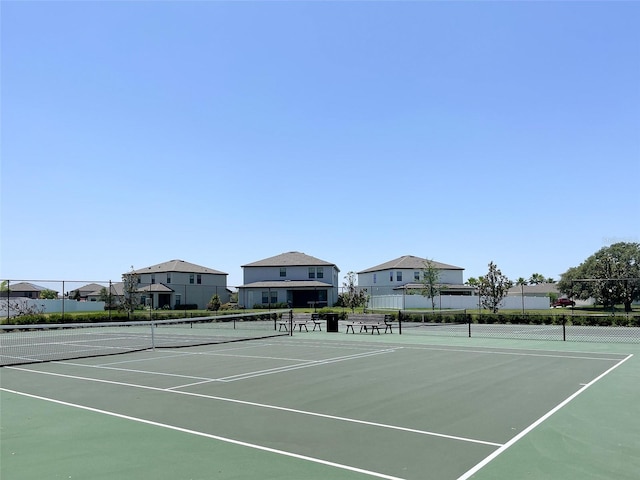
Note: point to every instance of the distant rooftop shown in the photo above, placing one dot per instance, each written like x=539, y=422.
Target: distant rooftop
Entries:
x=290, y=259
x=409, y=262
x=178, y=266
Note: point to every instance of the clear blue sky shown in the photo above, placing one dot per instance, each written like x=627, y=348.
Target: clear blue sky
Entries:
x=222, y=133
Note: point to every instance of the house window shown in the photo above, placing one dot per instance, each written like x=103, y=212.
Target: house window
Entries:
x=375, y=277
x=319, y=272
x=168, y=278
x=416, y=276
x=312, y=272
x=283, y=272
x=391, y=276
x=269, y=297
x=191, y=278
x=178, y=299
x=199, y=279
x=399, y=276
x=153, y=279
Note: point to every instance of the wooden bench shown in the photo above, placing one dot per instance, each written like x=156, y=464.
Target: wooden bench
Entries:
x=370, y=321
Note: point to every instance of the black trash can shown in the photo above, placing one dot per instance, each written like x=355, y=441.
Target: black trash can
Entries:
x=332, y=322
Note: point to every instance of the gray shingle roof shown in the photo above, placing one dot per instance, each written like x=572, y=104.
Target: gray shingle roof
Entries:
x=156, y=287
x=117, y=288
x=290, y=259
x=409, y=262
x=25, y=287
x=89, y=288
x=178, y=266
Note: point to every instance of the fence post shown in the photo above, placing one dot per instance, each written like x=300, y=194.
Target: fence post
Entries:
x=469, y=323
x=399, y=322
x=564, y=328
x=290, y=323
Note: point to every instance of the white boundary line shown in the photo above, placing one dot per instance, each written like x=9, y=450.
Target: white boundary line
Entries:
x=210, y=436
x=524, y=432
x=461, y=348
x=262, y=405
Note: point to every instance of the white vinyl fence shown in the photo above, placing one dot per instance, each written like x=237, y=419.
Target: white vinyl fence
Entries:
x=18, y=304
x=402, y=302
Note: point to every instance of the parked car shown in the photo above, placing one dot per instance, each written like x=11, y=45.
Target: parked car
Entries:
x=563, y=302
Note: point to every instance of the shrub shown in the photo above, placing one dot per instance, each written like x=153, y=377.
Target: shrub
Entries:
x=278, y=306
x=186, y=306
x=214, y=303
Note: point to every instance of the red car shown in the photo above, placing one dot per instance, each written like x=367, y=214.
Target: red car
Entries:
x=563, y=302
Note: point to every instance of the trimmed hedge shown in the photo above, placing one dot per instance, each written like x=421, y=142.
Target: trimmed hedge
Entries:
x=533, y=319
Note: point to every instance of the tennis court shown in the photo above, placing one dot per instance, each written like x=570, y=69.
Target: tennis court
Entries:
x=320, y=405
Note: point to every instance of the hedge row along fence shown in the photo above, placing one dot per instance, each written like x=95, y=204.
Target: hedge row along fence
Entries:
x=519, y=319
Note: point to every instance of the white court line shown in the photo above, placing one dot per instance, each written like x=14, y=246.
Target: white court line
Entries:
x=213, y=437
x=262, y=405
x=310, y=363
x=133, y=370
x=458, y=348
x=286, y=368
x=241, y=376
x=520, y=354
x=504, y=447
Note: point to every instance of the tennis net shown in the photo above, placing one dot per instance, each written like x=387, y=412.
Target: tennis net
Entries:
x=432, y=318
x=21, y=344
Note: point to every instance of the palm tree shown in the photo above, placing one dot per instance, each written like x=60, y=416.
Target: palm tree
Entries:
x=537, y=278
x=522, y=282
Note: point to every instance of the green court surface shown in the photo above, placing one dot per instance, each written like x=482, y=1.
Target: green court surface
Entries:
x=323, y=405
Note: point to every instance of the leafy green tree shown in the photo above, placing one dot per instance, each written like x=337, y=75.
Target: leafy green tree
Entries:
x=610, y=276
x=353, y=297
x=4, y=286
x=103, y=296
x=494, y=286
x=430, y=282
x=48, y=294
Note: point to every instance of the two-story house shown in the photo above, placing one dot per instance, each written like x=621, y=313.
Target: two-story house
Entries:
x=291, y=278
x=176, y=282
x=407, y=273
